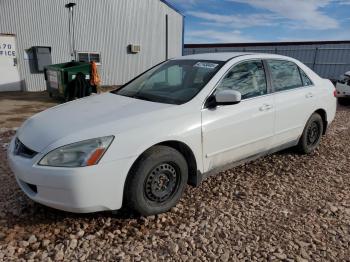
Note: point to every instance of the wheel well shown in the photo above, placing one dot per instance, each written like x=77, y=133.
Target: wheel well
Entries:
x=186, y=151
x=194, y=177
x=323, y=114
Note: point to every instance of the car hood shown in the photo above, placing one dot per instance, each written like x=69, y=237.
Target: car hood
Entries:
x=96, y=115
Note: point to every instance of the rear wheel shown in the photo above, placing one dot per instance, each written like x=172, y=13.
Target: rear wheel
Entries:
x=312, y=134
x=156, y=181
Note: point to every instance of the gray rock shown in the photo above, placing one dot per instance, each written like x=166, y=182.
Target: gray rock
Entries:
x=333, y=208
x=23, y=243
x=80, y=233
x=2, y=236
x=280, y=256
x=173, y=247
x=59, y=256
x=225, y=256
x=139, y=249
x=300, y=259
x=32, y=239
x=304, y=254
x=31, y=255
x=45, y=242
x=73, y=243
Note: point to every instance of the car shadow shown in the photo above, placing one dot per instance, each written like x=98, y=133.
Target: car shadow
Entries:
x=37, y=214
x=344, y=106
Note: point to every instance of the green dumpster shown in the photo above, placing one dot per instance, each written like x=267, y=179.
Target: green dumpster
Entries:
x=58, y=76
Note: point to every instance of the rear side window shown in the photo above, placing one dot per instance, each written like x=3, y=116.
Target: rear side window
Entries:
x=305, y=78
x=248, y=78
x=285, y=75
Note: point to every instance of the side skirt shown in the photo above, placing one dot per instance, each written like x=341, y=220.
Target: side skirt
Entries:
x=196, y=181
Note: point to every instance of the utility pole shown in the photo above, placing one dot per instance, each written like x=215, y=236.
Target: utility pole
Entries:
x=70, y=6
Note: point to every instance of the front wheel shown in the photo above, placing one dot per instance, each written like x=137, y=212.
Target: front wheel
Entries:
x=156, y=181
x=312, y=134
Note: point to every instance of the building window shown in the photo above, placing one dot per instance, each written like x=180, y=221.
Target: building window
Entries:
x=89, y=57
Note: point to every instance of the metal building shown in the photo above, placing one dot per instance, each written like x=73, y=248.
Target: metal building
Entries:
x=329, y=59
x=125, y=37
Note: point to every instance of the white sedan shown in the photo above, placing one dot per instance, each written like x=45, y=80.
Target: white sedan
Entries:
x=173, y=125
x=343, y=89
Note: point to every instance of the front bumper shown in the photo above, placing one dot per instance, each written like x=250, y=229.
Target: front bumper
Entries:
x=79, y=190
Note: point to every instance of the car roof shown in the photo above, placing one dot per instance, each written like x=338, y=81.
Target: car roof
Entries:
x=213, y=56
x=225, y=56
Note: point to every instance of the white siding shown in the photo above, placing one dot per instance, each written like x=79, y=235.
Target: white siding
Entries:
x=106, y=26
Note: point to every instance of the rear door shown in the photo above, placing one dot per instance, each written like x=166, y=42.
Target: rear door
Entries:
x=294, y=96
x=234, y=132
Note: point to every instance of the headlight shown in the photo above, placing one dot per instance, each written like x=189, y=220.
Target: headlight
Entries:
x=84, y=153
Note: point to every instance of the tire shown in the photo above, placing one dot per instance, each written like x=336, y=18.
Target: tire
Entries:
x=156, y=181
x=312, y=134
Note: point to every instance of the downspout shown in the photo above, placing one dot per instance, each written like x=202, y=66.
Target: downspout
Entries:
x=183, y=35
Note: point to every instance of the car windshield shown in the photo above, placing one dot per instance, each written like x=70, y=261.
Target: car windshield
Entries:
x=172, y=82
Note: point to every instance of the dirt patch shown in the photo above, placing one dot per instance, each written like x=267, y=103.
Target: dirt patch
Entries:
x=15, y=107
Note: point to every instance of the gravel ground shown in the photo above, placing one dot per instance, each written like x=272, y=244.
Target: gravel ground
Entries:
x=285, y=207
x=17, y=106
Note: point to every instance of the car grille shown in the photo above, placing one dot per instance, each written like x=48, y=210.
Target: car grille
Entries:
x=22, y=150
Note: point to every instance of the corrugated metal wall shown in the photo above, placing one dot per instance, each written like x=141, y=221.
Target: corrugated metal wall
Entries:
x=328, y=60
x=106, y=26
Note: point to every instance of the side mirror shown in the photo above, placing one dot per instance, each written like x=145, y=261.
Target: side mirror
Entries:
x=224, y=97
x=228, y=97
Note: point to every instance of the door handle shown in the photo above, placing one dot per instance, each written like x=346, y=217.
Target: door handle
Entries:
x=309, y=95
x=266, y=107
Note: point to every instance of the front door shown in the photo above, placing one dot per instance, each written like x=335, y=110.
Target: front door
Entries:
x=235, y=132
x=9, y=76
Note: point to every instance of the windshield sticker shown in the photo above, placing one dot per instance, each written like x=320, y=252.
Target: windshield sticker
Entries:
x=206, y=65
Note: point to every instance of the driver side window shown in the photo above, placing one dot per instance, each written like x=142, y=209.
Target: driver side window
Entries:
x=248, y=78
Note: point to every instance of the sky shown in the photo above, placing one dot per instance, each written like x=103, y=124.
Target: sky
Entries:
x=234, y=21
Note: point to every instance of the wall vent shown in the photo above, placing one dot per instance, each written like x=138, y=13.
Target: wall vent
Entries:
x=134, y=49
